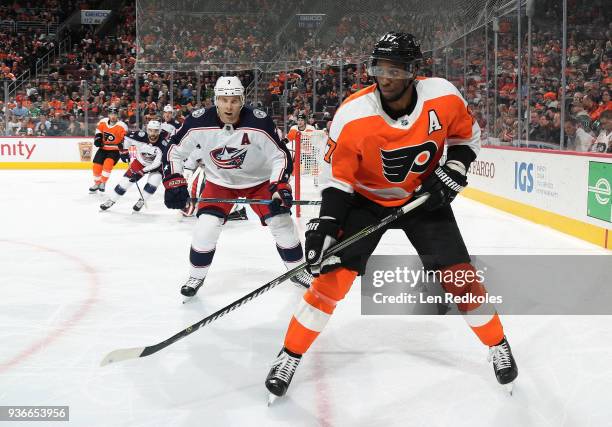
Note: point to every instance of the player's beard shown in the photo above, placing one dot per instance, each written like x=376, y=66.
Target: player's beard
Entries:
x=396, y=97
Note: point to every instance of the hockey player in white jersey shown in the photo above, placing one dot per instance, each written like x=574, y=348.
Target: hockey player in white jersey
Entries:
x=169, y=123
x=149, y=152
x=242, y=156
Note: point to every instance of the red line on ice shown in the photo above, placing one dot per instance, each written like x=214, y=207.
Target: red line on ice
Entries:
x=84, y=306
x=323, y=397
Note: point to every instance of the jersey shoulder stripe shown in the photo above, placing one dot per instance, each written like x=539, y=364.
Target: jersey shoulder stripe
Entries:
x=357, y=106
x=436, y=87
x=119, y=123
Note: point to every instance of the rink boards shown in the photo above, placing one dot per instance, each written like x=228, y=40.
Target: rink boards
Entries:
x=568, y=191
x=47, y=153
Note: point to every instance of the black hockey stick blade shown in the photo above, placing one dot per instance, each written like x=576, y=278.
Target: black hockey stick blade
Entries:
x=253, y=201
x=136, y=352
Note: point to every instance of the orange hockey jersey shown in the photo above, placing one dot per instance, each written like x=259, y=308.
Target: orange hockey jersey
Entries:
x=292, y=134
x=113, y=135
x=385, y=159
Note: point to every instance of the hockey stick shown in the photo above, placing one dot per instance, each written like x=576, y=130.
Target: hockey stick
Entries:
x=136, y=352
x=253, y=201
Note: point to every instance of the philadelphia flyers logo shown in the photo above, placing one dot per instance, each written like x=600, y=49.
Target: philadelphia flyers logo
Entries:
x=398, y=163
x=108, y=137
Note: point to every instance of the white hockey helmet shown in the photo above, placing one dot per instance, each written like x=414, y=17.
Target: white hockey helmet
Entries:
x=229, y=86
x=154, y=125
x=168, y=109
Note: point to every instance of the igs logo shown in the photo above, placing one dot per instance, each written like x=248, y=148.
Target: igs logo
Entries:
x=523, y=176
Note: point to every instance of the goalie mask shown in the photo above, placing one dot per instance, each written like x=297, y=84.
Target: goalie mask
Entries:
x=402, y=49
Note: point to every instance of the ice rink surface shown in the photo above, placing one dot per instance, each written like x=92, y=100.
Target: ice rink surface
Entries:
x=77, y=283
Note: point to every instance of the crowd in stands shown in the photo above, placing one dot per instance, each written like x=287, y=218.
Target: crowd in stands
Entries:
x=47, y=11
x=27, y=32
x=494, y=97
x=99, y=71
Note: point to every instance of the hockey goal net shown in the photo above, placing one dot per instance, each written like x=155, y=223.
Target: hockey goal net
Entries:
x=307, y=150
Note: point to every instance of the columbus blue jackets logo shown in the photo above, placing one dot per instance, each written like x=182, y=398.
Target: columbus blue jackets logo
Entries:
x=197, y=113
x=398, y=163
x=228, y=157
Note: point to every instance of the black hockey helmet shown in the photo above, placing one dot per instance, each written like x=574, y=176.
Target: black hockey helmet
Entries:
x=301, y=116
x=398, y=47
x=113, y=110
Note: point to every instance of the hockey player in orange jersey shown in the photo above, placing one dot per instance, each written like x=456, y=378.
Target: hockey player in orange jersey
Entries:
x=301, y=126
x=384, y=148
x=109, y=138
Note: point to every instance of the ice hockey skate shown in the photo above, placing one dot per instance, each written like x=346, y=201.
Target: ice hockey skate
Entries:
x=106, y=205
x=94, y=188
x=238, y=215
x=504, y=365
x=138, y=205
x=302, y=280
x=279, y=377
x=190, y=288
x=101, y=187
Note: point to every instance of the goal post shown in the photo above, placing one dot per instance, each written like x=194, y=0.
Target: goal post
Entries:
x=308, y=150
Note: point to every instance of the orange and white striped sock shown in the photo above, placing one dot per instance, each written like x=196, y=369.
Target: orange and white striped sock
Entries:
x=482, y=318
x=97, y=172
x=107, y=167
x=316, y=307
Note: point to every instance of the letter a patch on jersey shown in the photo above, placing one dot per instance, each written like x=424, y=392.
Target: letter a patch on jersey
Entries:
x=398, y=163
x=434, y=122
x=245, y=139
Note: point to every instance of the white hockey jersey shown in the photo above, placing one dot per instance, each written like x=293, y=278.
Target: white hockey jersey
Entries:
x=149, y=155
x=171, y=127
x=240, y=156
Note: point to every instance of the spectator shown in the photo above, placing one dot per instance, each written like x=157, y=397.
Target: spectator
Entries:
x=592, y=108
x=74, y=128
x=542, y=132
x=576, y=138
x=13, y=125
x=603, y=143
x=26, y=128
x=20, y=111
x=42, y=127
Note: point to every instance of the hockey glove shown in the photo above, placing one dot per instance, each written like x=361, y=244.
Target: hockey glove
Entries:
x=444, y=183
x=125, y=157
x=135, y=175
x=98, y=140
x=176, y=194
x=321, y=233
x=281, y=196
